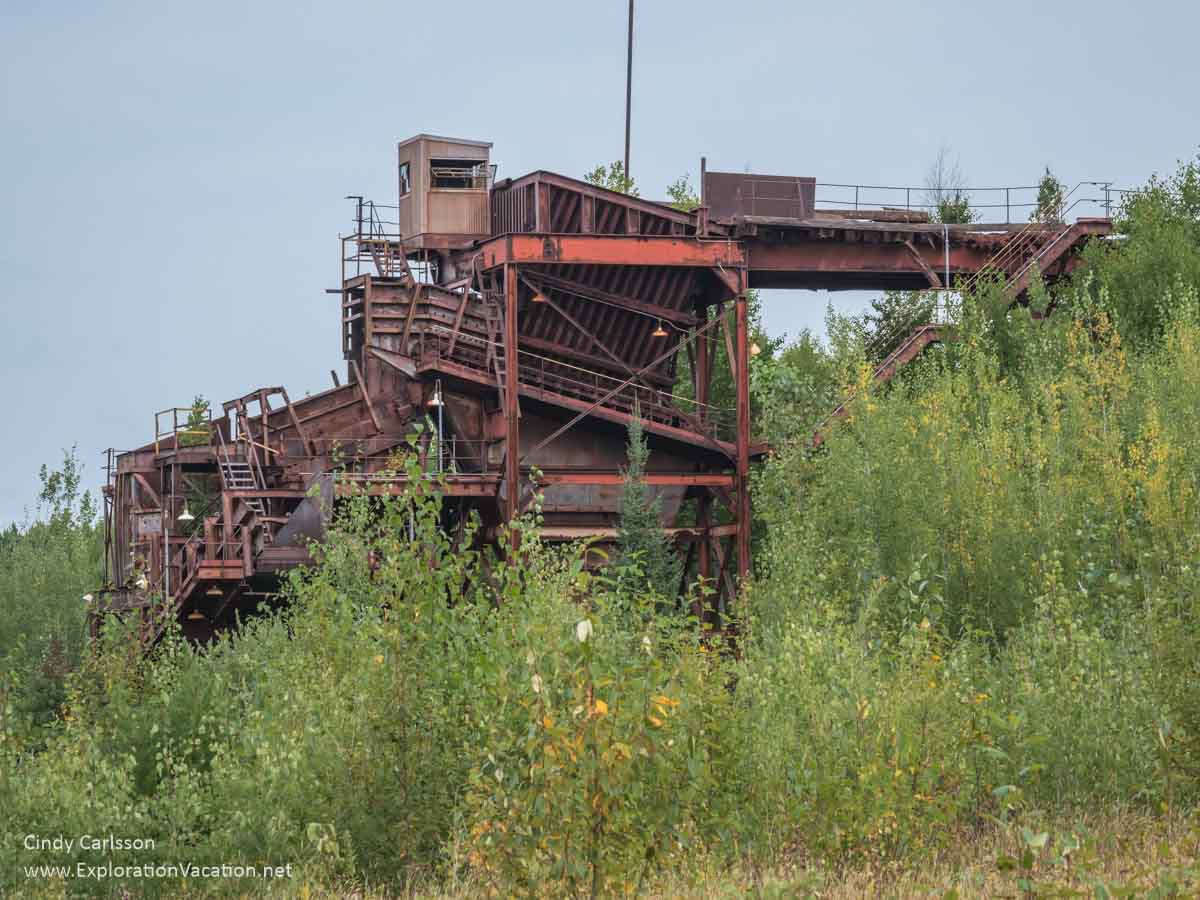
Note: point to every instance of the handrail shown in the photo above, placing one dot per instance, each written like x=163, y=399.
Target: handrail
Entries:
x=903, y=196
x=1013, y=249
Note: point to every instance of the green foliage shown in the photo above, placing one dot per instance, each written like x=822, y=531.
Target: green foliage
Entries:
x=683, y=195
x=954, y=209
x=645, y=550
x=46, y=568
x=612, y=177
x=945, y=191
x=1153, y=271
x=195, y=432
x=891, y=318
x=722, y=390
x=1051, y=194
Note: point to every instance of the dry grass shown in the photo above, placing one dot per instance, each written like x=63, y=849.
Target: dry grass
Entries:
x=1133, y=853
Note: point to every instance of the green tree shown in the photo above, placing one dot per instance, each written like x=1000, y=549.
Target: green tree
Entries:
x=945, y=191
x=613, y=178
x=47, y=566
x=683, y=195
x=642, y=543
x=1154, y=270
x=1051, y=194
x=891, y=318
x=196, y=432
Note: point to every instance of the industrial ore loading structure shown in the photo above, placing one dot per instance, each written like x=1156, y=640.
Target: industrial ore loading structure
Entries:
x=526, y=319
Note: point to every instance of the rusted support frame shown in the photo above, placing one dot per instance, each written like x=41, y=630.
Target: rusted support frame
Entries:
x=654, y=363
x=512, y=412
x=312, y=447
x=673, y=479
x=591, y=337
x=145, y=486
x=607, y=249
x=540, y=280
x=730, y=352
x=362, y=386
x=462, y=307
x=930, y=275
x=743, y=431
x=704, y=553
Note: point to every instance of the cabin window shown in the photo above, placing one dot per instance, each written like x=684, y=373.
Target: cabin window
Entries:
x=458, y=174
x=405, y=181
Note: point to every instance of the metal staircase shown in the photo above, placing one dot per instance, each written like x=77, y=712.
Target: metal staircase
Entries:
x=1030, y=251
x=236, y=475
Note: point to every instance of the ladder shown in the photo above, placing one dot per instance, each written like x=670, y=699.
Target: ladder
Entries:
x=237, y=475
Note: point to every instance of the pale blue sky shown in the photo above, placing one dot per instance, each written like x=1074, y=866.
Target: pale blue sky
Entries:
x=175, y=172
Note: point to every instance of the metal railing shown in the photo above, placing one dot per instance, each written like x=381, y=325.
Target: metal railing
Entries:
x=185, y=429
x=376, y=243
x=654, y=404
x=1018, y=201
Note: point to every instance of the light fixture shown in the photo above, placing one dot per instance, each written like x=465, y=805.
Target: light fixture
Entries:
x=538, y=297
x=214, y=591
x=659, y=331
x=195, y=616
x=436, y=399
x=185, y=516
x=755, y=349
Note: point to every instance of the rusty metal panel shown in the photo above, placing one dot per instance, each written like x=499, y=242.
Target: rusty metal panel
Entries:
x=730, y=195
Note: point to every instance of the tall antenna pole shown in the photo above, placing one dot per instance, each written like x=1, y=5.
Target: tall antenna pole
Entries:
x=628, y=88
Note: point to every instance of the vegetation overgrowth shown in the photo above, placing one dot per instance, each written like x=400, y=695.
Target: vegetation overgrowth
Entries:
x=969, y=660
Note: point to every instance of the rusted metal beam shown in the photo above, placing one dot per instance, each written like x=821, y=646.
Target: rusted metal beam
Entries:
x=836, y=263
x=312, y=448
x=674, y=479
x=704, y=551
x=663, y=382
x=596, y=408
x=587, y=292
x=512, y=413
x=587, y=409
x=480, y=485
x=743, y=434
x=362, y=386
x=613, y=357
x=145, y=486
x=610, y=250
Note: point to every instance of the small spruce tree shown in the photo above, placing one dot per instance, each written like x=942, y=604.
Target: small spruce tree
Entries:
x=1051, y=194
x=641, y=540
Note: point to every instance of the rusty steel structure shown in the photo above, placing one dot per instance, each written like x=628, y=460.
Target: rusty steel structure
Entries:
x=523, y=323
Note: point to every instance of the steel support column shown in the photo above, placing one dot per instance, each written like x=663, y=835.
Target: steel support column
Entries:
x=743, y=431
x=703, y=382
x=512, y=442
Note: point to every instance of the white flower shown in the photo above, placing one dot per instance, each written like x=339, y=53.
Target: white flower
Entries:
x=583, y=630
x=537, y=683
x=529, y=658
x=87, y=598
x=646, y=645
